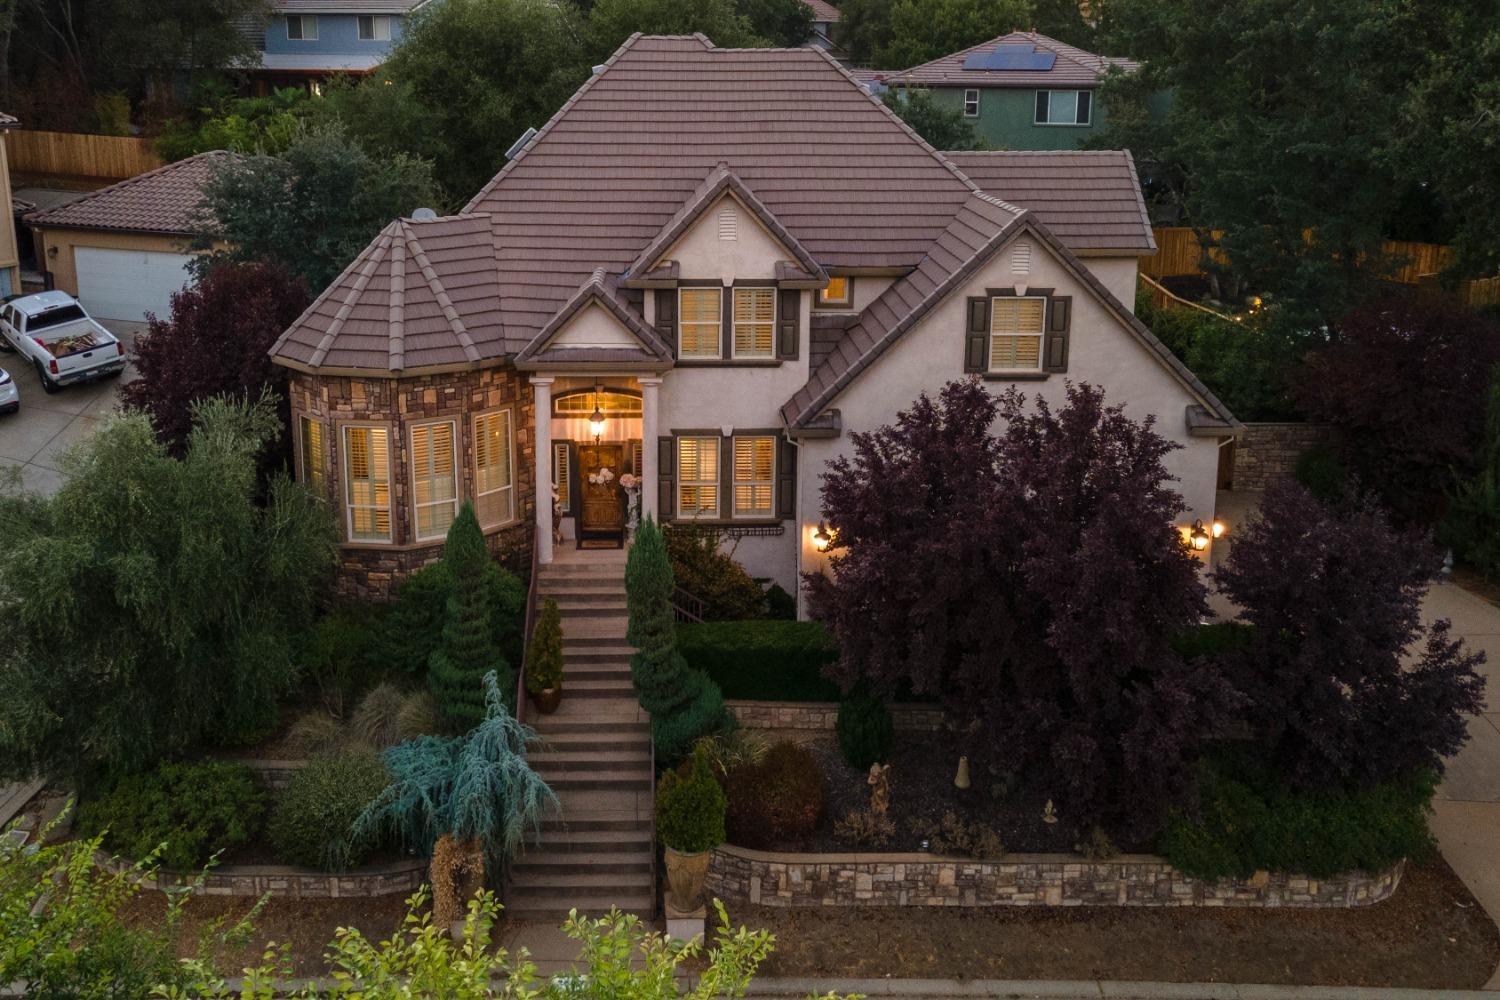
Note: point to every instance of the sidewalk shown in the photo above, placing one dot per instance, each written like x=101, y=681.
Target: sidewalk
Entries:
x=1096, y=989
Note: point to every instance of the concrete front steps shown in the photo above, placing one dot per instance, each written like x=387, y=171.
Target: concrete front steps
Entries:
x=596, y=756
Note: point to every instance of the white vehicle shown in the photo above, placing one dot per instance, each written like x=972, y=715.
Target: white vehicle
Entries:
x=10, y=396
x=52, y=331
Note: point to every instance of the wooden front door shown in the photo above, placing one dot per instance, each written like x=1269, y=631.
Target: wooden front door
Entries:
x=602, y=511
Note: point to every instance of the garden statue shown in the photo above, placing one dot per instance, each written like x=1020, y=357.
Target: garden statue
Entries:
x=557, y=535
x=880, y=788
x=961, y=780
x=632, y=487
x=1049, y=814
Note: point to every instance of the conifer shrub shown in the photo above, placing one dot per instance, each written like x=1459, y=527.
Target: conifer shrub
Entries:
x=314, y=815
x=776, y=802
x=467, y=650
x=864, y=729
x=544, y=657
x=690, y=806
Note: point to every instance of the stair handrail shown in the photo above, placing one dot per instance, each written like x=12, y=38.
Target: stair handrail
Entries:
x=528, y=623
x=687, y=606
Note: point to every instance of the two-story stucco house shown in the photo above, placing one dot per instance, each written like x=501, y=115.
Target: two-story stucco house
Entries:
x=307, y=41
x=687, y=276
x=1019, y=91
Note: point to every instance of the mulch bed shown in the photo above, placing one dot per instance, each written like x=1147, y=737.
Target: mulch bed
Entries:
x=1432, y=933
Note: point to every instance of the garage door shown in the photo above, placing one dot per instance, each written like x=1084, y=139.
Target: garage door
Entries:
x=127, y=284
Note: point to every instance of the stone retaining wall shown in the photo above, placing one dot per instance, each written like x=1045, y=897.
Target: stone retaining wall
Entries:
x=737, y=874
x=274, y=774
x=820, y=716
x=1266, y=452
x=288, y=882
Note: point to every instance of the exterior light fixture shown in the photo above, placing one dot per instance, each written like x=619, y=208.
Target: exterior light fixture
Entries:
x=1198, y=536
x=596, y=419
x=821, y=537
x=1218, y=528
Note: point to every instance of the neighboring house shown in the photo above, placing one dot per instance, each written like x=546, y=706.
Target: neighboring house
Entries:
x=10, y=260
x=122, y=250
x=824, y=16
x=1019, y=91
x=715, y=311
x=308, y=41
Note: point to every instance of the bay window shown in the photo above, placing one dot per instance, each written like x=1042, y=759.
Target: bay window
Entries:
x=434, y=479
x=494, y=469
x=367, y=483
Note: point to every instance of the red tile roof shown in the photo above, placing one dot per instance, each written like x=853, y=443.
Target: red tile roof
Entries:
x=1090, y=200
x=823, y=11
x=1073, y=67
x=164, y=200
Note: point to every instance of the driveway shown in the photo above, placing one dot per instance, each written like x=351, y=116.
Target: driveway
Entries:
x=46, y=425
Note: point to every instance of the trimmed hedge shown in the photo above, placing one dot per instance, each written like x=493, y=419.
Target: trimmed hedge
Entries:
x=763, y=660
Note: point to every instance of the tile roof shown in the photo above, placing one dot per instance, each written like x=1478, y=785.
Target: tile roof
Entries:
x=1072, y=67
x=1090, y=200
x=822, y=10
x=425, y=294
x=600, y=288
x=164, y=200
x=338, y=62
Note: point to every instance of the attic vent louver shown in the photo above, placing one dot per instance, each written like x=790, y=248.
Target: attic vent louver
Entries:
x=1020, y=259
x=510, y=154
x=729, y=225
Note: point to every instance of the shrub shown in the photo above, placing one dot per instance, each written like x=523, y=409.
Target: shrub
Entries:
x=1323, y=473
x=864, y=729
x=699, y=567
x=196, y=809
x=701, y=714
x=1247, y=820
x=314, y=732
x=690, y=806
x=544, y=657
x=337, y=658
x=1211, y=640
x=314, y=815
x=777, y=802
x=386, y=715
x=865, y=829
x=467, y=650
x=411, y=626
x=735, y=747
x=1473, y=525
x=956, y=836
x=780, y=605
x=763, y=660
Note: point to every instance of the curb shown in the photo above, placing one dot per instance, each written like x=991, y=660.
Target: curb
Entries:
x=1088, y=989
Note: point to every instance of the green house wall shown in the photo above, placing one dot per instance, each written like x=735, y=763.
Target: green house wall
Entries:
x=1006, y=119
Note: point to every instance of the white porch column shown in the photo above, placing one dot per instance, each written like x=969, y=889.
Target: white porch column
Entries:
x=650, y=433
x=541, y=389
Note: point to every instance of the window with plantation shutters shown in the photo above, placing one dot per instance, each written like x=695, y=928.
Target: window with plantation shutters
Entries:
x=700, y=319
x=310, y=467
x=1017, y=326
x=697, y=477
x=494, y=469
x=367, y=483
x=434, y=479
x=754, y=476
x=754, y=322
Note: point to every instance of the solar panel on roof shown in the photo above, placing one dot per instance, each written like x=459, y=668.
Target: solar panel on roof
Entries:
x=1012, y=56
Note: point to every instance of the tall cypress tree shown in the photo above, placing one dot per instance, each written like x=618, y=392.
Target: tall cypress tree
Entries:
x=456, y=669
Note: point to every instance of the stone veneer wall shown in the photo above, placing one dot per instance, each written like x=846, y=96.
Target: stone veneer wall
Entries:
x=739, y=875
x=820, y=716
x=1266, y=452
x=368, y=571
x=288, y=882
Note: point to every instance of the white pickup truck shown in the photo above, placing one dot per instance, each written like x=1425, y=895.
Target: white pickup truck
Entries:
x=54, y=333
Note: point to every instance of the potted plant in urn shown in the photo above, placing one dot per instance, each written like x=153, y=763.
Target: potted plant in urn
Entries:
x=544, y=660
x=690, y=808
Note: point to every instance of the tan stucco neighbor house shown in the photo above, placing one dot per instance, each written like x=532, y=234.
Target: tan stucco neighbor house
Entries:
x=687, y=254
x=123, y=249
x=10, y=260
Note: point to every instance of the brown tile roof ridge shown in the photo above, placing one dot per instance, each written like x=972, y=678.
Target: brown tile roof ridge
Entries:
x=719, y=181
x=455, y=321
x=75, y=214
x=600, y=287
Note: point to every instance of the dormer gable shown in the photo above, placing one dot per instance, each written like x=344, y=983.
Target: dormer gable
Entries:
x=594, y=327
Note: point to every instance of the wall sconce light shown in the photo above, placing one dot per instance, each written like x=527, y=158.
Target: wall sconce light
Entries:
x=821, y=537
x=1218, y=529
x=1198, y=536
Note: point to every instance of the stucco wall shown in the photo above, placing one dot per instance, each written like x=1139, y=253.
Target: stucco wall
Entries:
x=64, y=266
x=1118, y=275
x=1101, y=351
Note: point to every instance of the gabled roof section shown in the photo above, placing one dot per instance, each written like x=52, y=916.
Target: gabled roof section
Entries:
x=599, y=290
x=823, y=11
x=722, y=181
x=165, y=200
x=1091, y=200
x=975, y=235
x=1019, y=59
x=425, y=295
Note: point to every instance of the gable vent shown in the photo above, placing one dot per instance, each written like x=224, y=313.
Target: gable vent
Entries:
x=1020, y=259
x=729, y=225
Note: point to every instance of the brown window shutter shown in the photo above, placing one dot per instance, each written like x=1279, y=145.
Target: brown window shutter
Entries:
x=1059, y=317
x=726, y=477
x=666, y=317
x=575, y=484
x=788, y=323
x=786, y=479
x=726, y=324
x=977, y=337
x=666, y=478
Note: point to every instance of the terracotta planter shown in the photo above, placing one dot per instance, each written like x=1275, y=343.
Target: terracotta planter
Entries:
x=547, y=700
x=685, y=876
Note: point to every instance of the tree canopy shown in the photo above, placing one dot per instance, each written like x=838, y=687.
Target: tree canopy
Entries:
x=943, y=128
x=897, y=34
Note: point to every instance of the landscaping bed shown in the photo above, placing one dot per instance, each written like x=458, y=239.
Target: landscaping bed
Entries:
x=1431, y=933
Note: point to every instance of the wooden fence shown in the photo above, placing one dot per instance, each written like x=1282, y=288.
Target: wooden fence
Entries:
x=69, y=157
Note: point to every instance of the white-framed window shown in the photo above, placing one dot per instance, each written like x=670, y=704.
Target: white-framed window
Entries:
x=1016, y=328
x=367, y=483
x=434, y=478
x=311, y=457
x=837, y=293
x=494, y=469
x=700, y=323
x=1064, y=107
x=302, y=27
x=755, y=476
x=971, y=104
x=374, y=28
x=755, y=322
x=562, y=478
x=697, y=476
